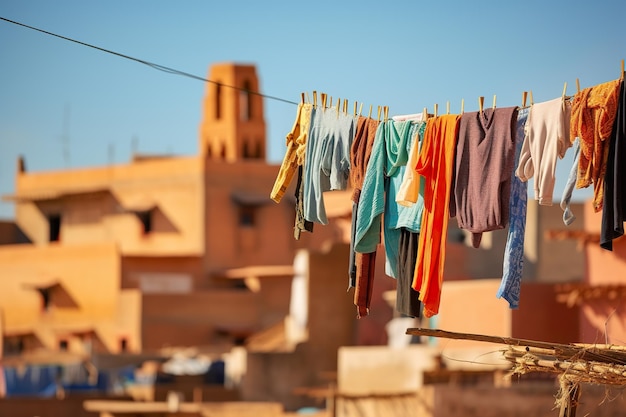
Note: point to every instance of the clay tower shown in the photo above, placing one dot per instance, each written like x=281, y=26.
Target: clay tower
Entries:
x=232, y=127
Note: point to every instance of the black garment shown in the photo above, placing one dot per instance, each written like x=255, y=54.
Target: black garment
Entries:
x=614, y=207
x=301, y=223
x=407, y=299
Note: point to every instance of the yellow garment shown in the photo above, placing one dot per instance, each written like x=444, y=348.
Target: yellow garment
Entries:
x=593, y=115
x=296, y=150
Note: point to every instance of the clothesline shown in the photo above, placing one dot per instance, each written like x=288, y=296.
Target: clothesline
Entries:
x=304, y=98
x=411, y=173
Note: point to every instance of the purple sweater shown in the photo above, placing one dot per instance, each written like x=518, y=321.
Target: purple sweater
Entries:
x=485, y=159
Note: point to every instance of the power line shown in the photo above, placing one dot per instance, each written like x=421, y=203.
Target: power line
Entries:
x=148, y=63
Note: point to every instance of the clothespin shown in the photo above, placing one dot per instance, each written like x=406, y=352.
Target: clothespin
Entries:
x=577, y=86
x=462, y=105
x=564, y=90
x=378, y=114
x=447, y=107
x=622, y=73
x=436, y=106
x=355, y=104
x=308, y=99
x=302, y=98
x=331, y=102
x=323, y=100
x=361, y=109
x=524, y=96
x=425, y=114
x=531, y=98
x=481, y=103
x=386, y=113
x=314, y=98
x=345, y=106
x=494, y=102
x=338, y=106
x=369, y=116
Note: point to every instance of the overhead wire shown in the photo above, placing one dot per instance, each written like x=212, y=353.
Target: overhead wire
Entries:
x=153, y=65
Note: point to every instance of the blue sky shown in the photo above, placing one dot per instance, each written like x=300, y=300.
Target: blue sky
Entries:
x=67, y=106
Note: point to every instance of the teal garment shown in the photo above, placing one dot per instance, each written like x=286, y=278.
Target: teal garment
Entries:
x=389, y=154
x=397, y=216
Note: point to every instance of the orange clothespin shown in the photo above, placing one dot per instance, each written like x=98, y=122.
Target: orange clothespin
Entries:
x=622, y=72
x=323, y=100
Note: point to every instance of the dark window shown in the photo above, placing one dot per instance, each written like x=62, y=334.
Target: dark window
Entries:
x=246, y=151
x=45, y=298
x=13, y=345
x=54, y=224
x=245, y=102
x=246, y=216
x=63, y=344
x=145, y=217
x=218, y=101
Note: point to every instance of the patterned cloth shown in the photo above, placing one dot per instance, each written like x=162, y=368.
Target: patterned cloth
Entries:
x=513, y=263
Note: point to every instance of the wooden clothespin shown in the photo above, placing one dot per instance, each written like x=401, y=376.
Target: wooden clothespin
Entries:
x=622, y=72
x=447, y=107
x=331, y=102
x=481, y=103
x=314, y=98
x=425, y=114
x=462, y=105
x=577, y=86
x=355, y=105
x=378, y=118
x=345, y=106
x=494, y=102
x=386, y=108
x=435, y=111
x=338, y=107
x=531, y=98
x=369, y=116
x=564, y=90
x=302, y=98
x=524, y=97
x=361, y=109
x=323, y=100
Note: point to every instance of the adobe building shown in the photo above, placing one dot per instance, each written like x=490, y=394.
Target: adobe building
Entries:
x=162, y=228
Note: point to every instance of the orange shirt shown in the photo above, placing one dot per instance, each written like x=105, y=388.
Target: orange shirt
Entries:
x=593, y=114
x=435, y=164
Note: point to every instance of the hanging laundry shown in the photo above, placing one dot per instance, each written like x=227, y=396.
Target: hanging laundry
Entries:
x=295, y=153
x=292, y=165
x=436, y=164
x=513, y=260
x=614, y=209
x=360, y=152
x=485, y=153
x=327, y=164
x=547, y=138
x=566, y=198
x=593, y=114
